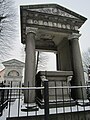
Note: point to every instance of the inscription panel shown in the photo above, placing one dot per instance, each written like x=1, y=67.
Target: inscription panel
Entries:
x=36, y=18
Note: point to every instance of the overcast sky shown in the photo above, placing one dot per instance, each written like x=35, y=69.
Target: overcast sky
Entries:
x=81, y=7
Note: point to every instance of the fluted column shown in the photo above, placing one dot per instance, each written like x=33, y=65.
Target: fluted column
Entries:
x=29, y=79
x=78, y=77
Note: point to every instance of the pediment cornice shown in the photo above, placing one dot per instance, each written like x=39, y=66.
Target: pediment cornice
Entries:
x=13, y=62
x=51, y=17
x=54, y=9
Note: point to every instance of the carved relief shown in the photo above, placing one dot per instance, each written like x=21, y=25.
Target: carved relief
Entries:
x=46, y=36
x=54, y=11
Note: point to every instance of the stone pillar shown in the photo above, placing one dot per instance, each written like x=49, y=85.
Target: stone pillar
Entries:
x=29, y=79
x=78, y=77
x=63, y=56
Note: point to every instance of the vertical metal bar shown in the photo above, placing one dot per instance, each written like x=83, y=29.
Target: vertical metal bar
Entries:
x=37, y=61
x=10, y=100
x=83, y=101
x=63, y=100
x=56, y=96
x=7, y=97
x=36, y=112
x=46, y=100
x=36, y=104
x=19, y=101
x=70, y=102
x=2, y=100
x=2, y=97
x=27, y=98
x=77, y=110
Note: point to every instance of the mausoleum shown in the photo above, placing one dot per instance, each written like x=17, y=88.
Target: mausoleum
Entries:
x=51, y=27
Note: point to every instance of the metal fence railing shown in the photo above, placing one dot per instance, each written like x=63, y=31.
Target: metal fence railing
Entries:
x=3, y=98
x=45, y=107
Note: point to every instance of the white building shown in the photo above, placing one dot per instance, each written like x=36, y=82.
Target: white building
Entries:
x=13, y=72
x=2, y=71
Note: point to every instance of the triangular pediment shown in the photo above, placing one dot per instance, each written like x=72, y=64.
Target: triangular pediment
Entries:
x=54, y=9
x=2, y=67
x=53, y=17
x=13, y=62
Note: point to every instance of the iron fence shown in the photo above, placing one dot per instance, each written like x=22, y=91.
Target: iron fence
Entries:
x=45, y=108
x=3, y=98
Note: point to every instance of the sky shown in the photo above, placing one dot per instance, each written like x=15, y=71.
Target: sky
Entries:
x=81, y=7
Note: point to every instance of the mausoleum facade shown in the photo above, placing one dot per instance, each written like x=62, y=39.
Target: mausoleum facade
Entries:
x=51, y=27
x=13, y=72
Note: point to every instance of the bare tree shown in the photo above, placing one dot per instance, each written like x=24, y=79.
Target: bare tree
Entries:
x=8, y=28
x=41, y=61
x=86, y=59
x=86, y=63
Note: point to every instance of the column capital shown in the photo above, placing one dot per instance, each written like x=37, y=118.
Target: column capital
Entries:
x=31, y=30
x=74, y=36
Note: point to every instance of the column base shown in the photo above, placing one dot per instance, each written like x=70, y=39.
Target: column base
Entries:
x=58, y=103
x=29, y=107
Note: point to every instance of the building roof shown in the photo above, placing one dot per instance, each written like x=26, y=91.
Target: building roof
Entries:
x=2, y=67
x=55, y=6
x=51, y=17
x=13, y=62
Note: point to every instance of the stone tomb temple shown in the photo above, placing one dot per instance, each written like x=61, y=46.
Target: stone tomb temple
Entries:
x=51, y=27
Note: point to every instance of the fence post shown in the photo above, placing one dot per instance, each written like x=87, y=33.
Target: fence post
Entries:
x=46, y=99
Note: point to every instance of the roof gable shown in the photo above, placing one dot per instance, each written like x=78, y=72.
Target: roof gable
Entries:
x=49, y=16
x=13, y=62
x=54, y=9
x=2, y=67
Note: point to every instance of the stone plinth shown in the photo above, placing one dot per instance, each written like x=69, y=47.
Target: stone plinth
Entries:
x=55, y=78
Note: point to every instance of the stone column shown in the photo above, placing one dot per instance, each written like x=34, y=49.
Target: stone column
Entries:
x=63, y=56
x=29, y=79
x=78, y=77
